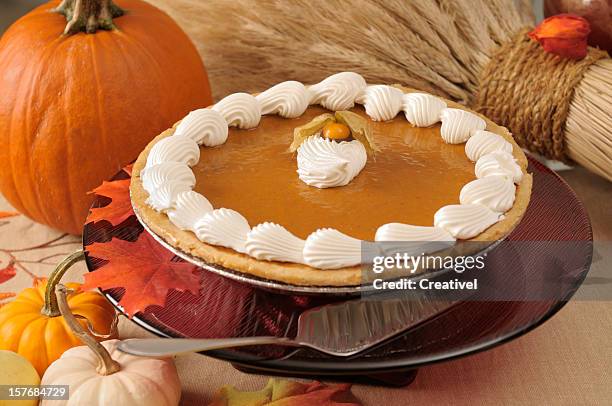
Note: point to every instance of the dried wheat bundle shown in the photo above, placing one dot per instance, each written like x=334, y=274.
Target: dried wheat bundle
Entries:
x=439, y=46
x=588, y=129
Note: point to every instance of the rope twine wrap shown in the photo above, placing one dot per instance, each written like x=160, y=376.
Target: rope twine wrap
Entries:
x=530, y=91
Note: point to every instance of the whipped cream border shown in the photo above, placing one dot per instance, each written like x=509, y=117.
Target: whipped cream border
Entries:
x=227, y=228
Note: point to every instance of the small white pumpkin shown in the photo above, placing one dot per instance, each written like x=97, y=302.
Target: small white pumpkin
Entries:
x=99, y=374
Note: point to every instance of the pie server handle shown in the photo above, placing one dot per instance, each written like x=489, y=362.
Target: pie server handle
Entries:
x=166, y=347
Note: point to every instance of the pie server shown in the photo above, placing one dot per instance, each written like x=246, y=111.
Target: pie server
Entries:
x=342, y=329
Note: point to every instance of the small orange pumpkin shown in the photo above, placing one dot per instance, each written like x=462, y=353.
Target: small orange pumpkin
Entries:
x=77, y=107
x=32, y=325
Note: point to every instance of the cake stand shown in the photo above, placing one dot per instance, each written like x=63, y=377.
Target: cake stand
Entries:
x=545, y=260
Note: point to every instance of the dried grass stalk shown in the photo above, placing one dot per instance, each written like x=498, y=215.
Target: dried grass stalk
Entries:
x=437, y=46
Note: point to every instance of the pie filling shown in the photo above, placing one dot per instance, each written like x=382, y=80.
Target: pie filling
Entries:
x=255, y=174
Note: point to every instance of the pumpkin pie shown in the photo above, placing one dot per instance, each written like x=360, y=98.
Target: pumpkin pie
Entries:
x=286, y=184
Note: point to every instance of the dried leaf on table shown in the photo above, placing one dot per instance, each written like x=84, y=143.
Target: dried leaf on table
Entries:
x=282, y=392
x=120, y=207
x=7, y=273
x=145, y=271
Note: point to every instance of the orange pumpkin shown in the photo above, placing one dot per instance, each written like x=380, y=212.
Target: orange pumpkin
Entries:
x=77, y=107
x=32, y=325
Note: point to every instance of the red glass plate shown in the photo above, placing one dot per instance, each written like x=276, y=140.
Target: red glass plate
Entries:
x=228, y=308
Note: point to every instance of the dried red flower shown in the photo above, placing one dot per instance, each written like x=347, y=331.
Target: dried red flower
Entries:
x=564, y=35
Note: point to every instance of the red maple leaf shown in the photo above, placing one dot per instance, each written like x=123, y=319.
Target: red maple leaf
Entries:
x=120, y=207
x=8, y=272
x=145, y=271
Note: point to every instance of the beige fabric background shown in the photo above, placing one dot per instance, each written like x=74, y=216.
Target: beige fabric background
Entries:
x=567, y=361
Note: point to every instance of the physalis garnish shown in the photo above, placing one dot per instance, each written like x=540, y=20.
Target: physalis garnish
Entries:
x=342, y=125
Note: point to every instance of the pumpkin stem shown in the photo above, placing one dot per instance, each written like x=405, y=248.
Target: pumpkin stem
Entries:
x=88, y=15
x=107, y=365
x=50, y=308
